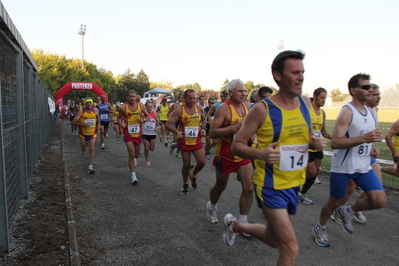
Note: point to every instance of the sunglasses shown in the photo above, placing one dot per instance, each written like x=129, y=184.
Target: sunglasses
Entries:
x=365, y=87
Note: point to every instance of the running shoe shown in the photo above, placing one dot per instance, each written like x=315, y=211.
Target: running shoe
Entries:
x=178, y=155
x=91, y=169
x=346, y=219
x=335, y=217
x=160, y=139
x=166, y=144
x=211, y=214
x=83, y=153
x=184, y=189
x=106, y=135
x=134, y=179
x=147, y=164
x=119, y=142
x=305, y=200
x=208, y=157
x=171, y=150
x=321, y=237
x=229, y=235
x=102, y=146
x=193, y=180
x=360, y=217
x=317, y=181
x=359, y=190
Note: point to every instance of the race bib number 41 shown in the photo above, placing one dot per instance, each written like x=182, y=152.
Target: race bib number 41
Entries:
x=293, y=157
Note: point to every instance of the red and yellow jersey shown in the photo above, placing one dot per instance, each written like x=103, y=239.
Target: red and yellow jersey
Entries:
x=88, y=116
x=133, y=121
x=223, y=147
x=190, y=126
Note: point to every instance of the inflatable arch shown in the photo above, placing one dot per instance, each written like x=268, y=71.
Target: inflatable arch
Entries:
x=76, y=86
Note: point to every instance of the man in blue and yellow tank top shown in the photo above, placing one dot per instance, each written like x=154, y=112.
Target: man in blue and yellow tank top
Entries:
x=283, y=128
x=228, y=120
x=130, y=119
x=104, y=111
x=190, y=130
x=394, y=147
x=89, y=122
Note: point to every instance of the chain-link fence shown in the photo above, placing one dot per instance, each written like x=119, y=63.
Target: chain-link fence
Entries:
x=25, y=122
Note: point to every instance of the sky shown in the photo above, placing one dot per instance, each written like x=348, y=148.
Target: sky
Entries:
x=205, y=41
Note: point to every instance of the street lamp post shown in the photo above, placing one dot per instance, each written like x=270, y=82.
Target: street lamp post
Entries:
x=82, y=32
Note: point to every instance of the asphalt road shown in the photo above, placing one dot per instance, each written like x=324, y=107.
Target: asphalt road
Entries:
x=154, y=224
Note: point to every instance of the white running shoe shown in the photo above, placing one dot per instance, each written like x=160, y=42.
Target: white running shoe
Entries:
x=91, y=169
x=360, y=217
x=102, y=146
x=346, y=219
x=211, y=214
x=229, y=235
x=317, y=181
x=321, y=237
x=335, y=217
x=106, y=135
x=134, y=180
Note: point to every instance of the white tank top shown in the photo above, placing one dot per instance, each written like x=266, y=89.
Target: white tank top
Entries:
x=150, y=125
x=355, y=159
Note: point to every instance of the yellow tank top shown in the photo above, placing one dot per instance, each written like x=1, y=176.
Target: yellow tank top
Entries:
x=163, y=112
x=91, y=118
x=133, y=123
x=317, y=123
x=223, y=146
x=115, y=116
x=190, y=126
x=291, y=128
x=396, y=141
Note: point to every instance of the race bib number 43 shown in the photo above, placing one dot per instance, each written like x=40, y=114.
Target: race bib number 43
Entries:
x=293, y=157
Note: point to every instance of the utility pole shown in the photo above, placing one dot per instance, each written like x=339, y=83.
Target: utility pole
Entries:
x=280, y=45
x=82, y=32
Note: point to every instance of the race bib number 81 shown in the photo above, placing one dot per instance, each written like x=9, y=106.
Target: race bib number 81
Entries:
x=293, y=157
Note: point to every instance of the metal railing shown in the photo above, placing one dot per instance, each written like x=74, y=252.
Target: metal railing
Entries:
x=25, y=122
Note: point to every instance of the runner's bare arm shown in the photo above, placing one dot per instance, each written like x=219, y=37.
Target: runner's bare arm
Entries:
x=339, y=139
x=254, y=120
x=173, y=118
x=222, y=117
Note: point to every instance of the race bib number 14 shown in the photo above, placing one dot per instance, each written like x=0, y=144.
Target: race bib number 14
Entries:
x=293, y=157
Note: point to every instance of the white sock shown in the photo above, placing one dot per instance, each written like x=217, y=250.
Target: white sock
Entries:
x=213, y=207
x=133, y=173
x=242, y=218
x=322, y=227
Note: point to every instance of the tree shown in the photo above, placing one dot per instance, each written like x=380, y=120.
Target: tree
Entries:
x=142, y=82
x=224, y=86
x=162, y=84
x=336, y=95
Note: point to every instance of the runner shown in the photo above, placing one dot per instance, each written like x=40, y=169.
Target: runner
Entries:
x=115, y=115
x=150, y=128
x=88, y=120
x=73, y=109
x=162, y=111
x=105, y=111
x=210, y=142
x=173, y=144
x=132, y=112
x=228, y=120
x=318, y=118
x=191, y=127
x=394, y=147
x=352, y=140
x=280, y=159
